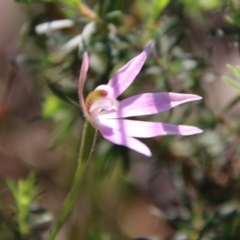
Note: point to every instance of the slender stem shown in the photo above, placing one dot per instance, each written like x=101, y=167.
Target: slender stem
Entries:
x=88, y=142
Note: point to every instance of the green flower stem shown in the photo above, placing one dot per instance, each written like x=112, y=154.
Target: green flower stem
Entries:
x=88, y=142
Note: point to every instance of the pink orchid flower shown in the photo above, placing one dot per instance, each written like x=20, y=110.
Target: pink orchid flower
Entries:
x=102, y=109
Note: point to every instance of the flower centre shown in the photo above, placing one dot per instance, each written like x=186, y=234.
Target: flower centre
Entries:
x=93, y=98
x=101, y=99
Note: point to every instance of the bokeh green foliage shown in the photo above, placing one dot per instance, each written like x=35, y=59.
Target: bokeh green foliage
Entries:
x=119, y=30
x=26, y=214
x=24, y=193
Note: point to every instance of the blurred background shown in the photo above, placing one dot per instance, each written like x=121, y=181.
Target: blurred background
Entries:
x=189, y=189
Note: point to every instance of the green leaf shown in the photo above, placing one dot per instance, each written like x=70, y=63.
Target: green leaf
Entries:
x=33, y=1
x=67, y=95
x=235, y=13
x=13, y=187
x=238, y=71
x=229, y=20
x=231, y=82
x=235, y=71
x=67, y=2
x=115, y=5
x=114, y=15
x=157, y=7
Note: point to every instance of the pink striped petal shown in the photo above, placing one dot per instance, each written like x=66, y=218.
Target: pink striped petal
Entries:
x=125, y=75
x=120, y=138
x=148, y=129
x=149, y=103
x=82, y=79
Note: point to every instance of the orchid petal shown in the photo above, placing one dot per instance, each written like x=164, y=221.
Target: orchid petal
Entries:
x=120, y=138
x=149, y=103
x=125, y=75
x=148, y=129
x=82, y=79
